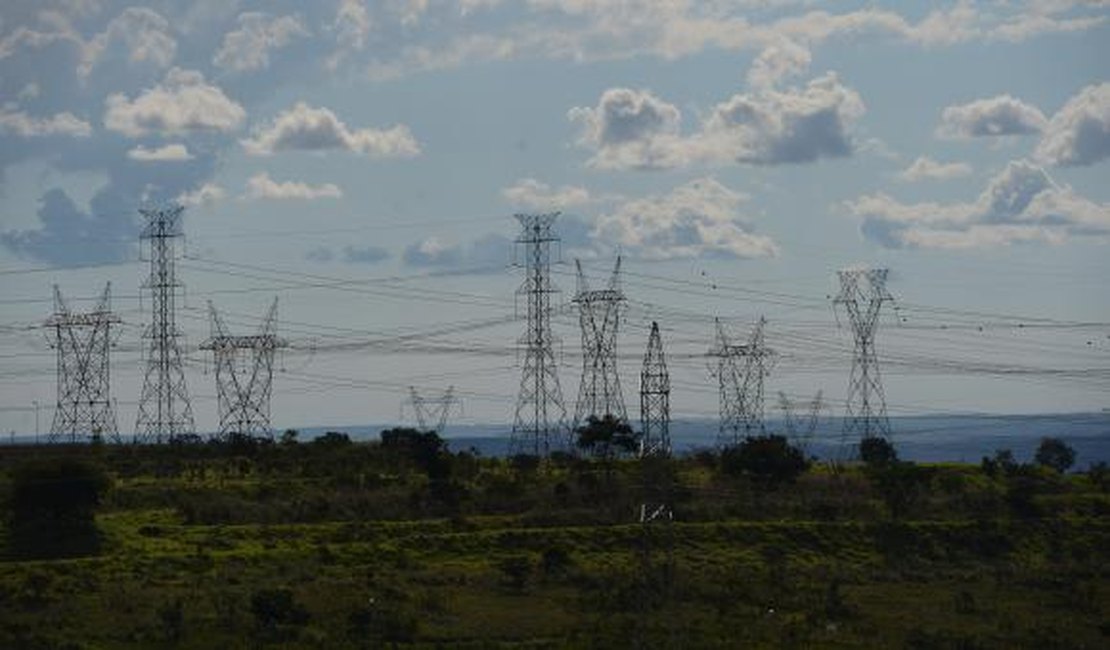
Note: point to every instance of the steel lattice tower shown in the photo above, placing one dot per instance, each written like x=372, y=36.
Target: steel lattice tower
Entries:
x=599, y=394
x=862, y=294
x=655, y=398
x=164, y=409
x=656, y=515
x=243, y=385
x=432, y=409
x=740, y=371
x=83, y=342
x=539, y=423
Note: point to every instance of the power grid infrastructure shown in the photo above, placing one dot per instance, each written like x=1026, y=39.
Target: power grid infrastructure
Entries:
x=244, y=375
x=655, y=398
x=862, y=294
x=164, y=409
x=431, y=412
x=83, y=344
x=539, y=424
x=599, y=393
x=740, y=370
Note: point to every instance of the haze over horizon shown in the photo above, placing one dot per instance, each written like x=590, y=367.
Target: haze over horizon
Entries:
x=361, y=161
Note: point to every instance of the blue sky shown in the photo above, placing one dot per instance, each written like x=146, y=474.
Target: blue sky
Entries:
x=362, y=160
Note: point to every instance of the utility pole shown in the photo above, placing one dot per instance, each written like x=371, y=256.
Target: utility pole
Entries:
x=539, y=422
x=599, y=393
x=862, y=294
x=243, y=390
x=83, y=409
x=741, y=370
x=164, y=409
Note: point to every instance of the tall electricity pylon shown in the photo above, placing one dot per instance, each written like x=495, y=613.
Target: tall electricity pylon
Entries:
x=655, y=398
x=243, y=385
x=83, y=342
x=599, y=394
x=862, y=294
x=656, y=514
x=164, y=409
x=740, y=371
x=431, y=412
x=801, y=428
x=539, y=422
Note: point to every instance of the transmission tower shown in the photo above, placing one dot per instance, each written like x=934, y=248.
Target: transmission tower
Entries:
x=656, y=474
x=539, y=423
x=431, y=412
x=83, y=342
x=862, y=294
x=740, y=371
x=244, y=375
x=599, y=394
x=801, y=427
x=164, y=409
x=655, y=398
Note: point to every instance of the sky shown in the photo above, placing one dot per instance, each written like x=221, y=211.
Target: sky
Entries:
x=361, y=161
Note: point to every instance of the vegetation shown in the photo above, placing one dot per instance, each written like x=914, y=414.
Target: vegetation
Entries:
x=332, y=543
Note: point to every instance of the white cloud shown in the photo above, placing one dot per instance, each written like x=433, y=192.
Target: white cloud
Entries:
x=698, y=218
x=778, y=60
x=1079, y=133
x=304, y=128
x=997, y=116
x=352, y=27
x=1020, y=204
x=926, y=168
x=21, y=124
x=532, y=194
x=168, y=153
x=248, y=48
x=145, y=32
x=181, y=103
x=632, y=129
x=29, y=91
x=261, y=186
x=206, y=194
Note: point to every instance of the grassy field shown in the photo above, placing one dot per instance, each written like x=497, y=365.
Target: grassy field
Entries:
x=356, y=546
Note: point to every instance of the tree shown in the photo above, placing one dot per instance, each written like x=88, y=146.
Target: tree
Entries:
x=53, y=508
x=769, y=459
x=1055, y=453
x=425, y=449
x=877, y=451
x=606, y=437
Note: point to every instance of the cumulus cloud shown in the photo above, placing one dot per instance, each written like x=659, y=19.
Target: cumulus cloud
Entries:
x=699, y=218
x=181, y=103
x=997, y=116
x=168, y=153
x=632, y=129
x=1020, y=204
x=925, y=168
x=204, y=195
x=248, y=48
x=261, y=186
x=351, y=27
x=364, y=254
x=304, y=128
x=778, y=60
x=72, y=236
x=21, y=124
x=488, y=252
x=144, y=32
x=531, y=194
x=1079, y=133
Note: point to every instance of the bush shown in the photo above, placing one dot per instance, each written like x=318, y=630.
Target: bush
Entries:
x=768, y=459
x=274, y=607
x=1055, y=453
x=53, y=508
x=877, y=451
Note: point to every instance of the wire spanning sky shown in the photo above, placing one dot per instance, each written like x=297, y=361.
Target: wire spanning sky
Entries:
x=362, y=160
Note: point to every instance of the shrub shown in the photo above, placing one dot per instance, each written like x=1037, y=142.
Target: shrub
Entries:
x=53, y=508
x=877, y=451
x=769, y=459
x=1055, y=453
x=274, y=607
